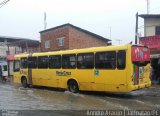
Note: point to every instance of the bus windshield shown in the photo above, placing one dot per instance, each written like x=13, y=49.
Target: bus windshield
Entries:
x=140, y=55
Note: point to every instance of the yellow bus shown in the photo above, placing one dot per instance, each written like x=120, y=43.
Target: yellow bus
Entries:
x=121, y=68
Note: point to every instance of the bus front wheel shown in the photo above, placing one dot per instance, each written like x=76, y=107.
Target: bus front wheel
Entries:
x=24, y=82
x=73, y=86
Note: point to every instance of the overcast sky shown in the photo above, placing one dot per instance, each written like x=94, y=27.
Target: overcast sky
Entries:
x=25, y=18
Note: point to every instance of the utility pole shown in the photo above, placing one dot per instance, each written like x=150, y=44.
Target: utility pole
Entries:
x=8, y=63
x=136, y=29
x=27, y=50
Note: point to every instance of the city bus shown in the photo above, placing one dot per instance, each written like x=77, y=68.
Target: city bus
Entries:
x=122, y=68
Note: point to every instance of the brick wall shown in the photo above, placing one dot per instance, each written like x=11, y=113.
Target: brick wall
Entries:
x=78, y=39
x=52, y=35
x=74, y=39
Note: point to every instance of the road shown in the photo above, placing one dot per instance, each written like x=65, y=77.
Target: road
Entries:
x=40, y=99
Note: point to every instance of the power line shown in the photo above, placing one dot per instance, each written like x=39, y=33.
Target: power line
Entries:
x=3, y=3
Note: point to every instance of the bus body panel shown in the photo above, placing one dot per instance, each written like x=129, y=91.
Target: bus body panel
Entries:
x=108, y=81
x=114, y=80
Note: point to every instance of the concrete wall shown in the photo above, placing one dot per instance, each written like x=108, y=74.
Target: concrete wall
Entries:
x=3, y=50
x=149, y=26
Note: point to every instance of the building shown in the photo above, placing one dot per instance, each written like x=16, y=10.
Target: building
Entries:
x=9, y=46
x=151, y=24
x=152, y=40
x=68, y=36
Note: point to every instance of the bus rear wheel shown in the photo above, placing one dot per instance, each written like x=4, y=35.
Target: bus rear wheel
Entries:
x=24, y=82
x=73, y=86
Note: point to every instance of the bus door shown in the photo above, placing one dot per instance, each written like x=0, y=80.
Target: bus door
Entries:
x=140, y=58
x=29, y=78
x=85, y=72
x=16, y=68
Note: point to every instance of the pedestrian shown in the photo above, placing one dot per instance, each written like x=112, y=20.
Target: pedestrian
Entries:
x=1, y=77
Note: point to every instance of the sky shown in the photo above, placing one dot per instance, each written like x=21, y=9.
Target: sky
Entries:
x=112, y=19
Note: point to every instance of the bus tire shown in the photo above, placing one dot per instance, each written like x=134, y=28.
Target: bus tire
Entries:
x=73, y=86
x=24, y=82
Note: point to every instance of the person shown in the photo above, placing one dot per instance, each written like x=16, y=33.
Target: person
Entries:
x=158, y=78
x=1, y=73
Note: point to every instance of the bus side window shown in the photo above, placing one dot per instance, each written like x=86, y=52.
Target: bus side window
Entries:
x=32, y=62
x=121, y=59
x=55, y=62
x=24, y=63
x=105, y=60
x=85, y=61
x=43, y=62
x=16, y=65
x=69, y=61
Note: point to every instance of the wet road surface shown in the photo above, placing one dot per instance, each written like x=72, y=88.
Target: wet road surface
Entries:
x=18, y=98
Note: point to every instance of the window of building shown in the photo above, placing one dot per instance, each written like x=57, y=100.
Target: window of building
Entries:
x=60, y=41
x=47, y=44
x=121, y=59
x=55, y=61
x=69, y=61
x=24, y=62
x=85, y=61
x=32, y=62
x=18, y=49
x=16, y=65
x=157, y=30
x=43, y=62
x=105, y=60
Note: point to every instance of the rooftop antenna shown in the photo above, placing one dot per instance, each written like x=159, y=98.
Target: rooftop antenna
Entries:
x=119, y=41
x=148, y=6
x=45, y=20
x=110, y=32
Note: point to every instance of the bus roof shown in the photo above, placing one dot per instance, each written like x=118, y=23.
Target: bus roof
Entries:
x=21, y=55
x=84, y=50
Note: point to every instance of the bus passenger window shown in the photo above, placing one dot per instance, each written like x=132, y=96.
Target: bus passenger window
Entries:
x=16, y=65
x=105, y=60
x=121, y=59
x=85, y=61
x=32, y=62
x=43, y=62
x=24, y=63
x=69, y=61
x=55, y=62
